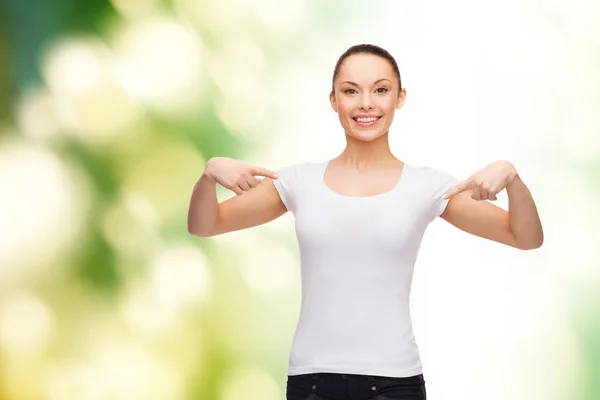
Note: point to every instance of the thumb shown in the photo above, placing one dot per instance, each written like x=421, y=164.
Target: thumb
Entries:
x=264, y=172
x=461, y=187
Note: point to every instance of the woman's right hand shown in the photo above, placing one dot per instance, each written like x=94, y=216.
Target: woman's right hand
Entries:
x=236, y=175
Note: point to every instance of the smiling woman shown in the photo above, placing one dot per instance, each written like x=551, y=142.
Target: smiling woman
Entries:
x=360, y=219
x=366, y=91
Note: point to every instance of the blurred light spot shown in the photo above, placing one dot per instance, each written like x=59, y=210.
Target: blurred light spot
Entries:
x=269, y=271
x=135, y=8
x=41, y=207
x=161, y=64
x=236, y=55
x=175, y=165
x=239, y=70
x=130, y=225
x=247, y=383
x=237, y=110
x=73, y=381
x=144, y=312
x=26, y=324
x=215, y=15
x=91, y=102
x=280, y=16
x=180, y=276
x=302, y=89
x=129, y=371
x=37, y=114
x=75, y=67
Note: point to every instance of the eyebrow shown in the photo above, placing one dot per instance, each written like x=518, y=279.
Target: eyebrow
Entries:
x=374, y=83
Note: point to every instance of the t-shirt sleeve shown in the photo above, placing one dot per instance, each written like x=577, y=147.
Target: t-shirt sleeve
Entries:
x=439, y=183
x=288, y=185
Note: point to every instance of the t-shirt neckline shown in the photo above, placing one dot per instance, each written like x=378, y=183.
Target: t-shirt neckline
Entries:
x=399, y=183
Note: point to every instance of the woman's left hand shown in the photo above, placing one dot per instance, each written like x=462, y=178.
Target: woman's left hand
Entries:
x=487, y=182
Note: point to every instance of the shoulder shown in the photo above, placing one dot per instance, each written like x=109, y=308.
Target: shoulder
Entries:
x=293, y=176
x=433, y=175
x=434, y=181
x=293, y=179
x=298, y=170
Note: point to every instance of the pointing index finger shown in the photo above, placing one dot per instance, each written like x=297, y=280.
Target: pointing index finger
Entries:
x=461, y=187
x=260, y=171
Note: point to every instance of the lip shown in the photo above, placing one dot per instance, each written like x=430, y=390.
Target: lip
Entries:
x=366, y=116
x=366, y=124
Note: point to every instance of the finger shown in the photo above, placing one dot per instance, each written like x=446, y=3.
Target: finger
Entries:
x=461, y=187
x=486, y=191
x=483, y=193
x=491, y=192
x=476, y=195
x=236, y=189
x=260, y=171
x=252, y=181
x=243, y=185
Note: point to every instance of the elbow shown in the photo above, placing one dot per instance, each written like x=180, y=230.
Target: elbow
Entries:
x=195, y=230
x=198, y=232
x=530, y=241
x=532, y=245
x=192, y=231
x=201, y=225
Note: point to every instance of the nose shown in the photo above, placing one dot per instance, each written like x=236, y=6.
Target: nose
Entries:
x=365, y=101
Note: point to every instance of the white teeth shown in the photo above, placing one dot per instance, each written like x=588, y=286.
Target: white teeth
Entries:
x=366, y=119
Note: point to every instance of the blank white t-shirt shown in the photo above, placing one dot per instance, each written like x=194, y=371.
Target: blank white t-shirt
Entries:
x=357, y=257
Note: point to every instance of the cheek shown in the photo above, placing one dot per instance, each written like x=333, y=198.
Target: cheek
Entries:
x=387, y=105
x=345, y=108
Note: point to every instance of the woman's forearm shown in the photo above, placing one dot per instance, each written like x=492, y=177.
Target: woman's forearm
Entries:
x=523, y=215
x=204, y=206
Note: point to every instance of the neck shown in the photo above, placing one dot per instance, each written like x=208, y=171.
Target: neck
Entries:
x=363, y=154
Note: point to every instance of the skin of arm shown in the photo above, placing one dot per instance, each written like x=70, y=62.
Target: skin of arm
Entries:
x=519, y=227
x=523, y=216
x=207, y=217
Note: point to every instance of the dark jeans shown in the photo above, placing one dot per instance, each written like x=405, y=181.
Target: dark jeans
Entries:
x=333, y=386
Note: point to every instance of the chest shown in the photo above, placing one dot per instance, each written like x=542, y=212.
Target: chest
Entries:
x=385, y=224
x=357, y=184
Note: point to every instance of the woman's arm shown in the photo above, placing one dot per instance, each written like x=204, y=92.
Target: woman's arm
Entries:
x=519, y=227
x=256, y=206
x=204, y=206
x=524, y=219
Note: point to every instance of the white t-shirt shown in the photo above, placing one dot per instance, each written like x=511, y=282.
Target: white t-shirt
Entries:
x=357, y=258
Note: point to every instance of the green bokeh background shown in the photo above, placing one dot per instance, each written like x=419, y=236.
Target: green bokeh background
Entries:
x=110, y=110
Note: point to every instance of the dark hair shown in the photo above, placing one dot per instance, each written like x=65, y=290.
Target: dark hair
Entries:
x=366, y=49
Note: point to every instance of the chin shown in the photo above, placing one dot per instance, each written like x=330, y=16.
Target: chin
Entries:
x=366, y=136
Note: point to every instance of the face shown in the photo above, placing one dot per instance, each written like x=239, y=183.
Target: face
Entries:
x=366, y=96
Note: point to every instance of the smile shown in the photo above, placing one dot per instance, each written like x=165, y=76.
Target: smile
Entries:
x=366, y=121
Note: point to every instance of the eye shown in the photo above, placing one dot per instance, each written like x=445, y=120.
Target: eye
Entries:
x=347, y=90
x=381, y=88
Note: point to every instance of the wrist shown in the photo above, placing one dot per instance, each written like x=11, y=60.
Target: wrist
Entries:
x=208, y=173
x=512, y=172
x=513, y=178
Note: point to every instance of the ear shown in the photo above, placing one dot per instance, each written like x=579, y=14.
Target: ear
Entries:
x=333, y=101
x=401, y=98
